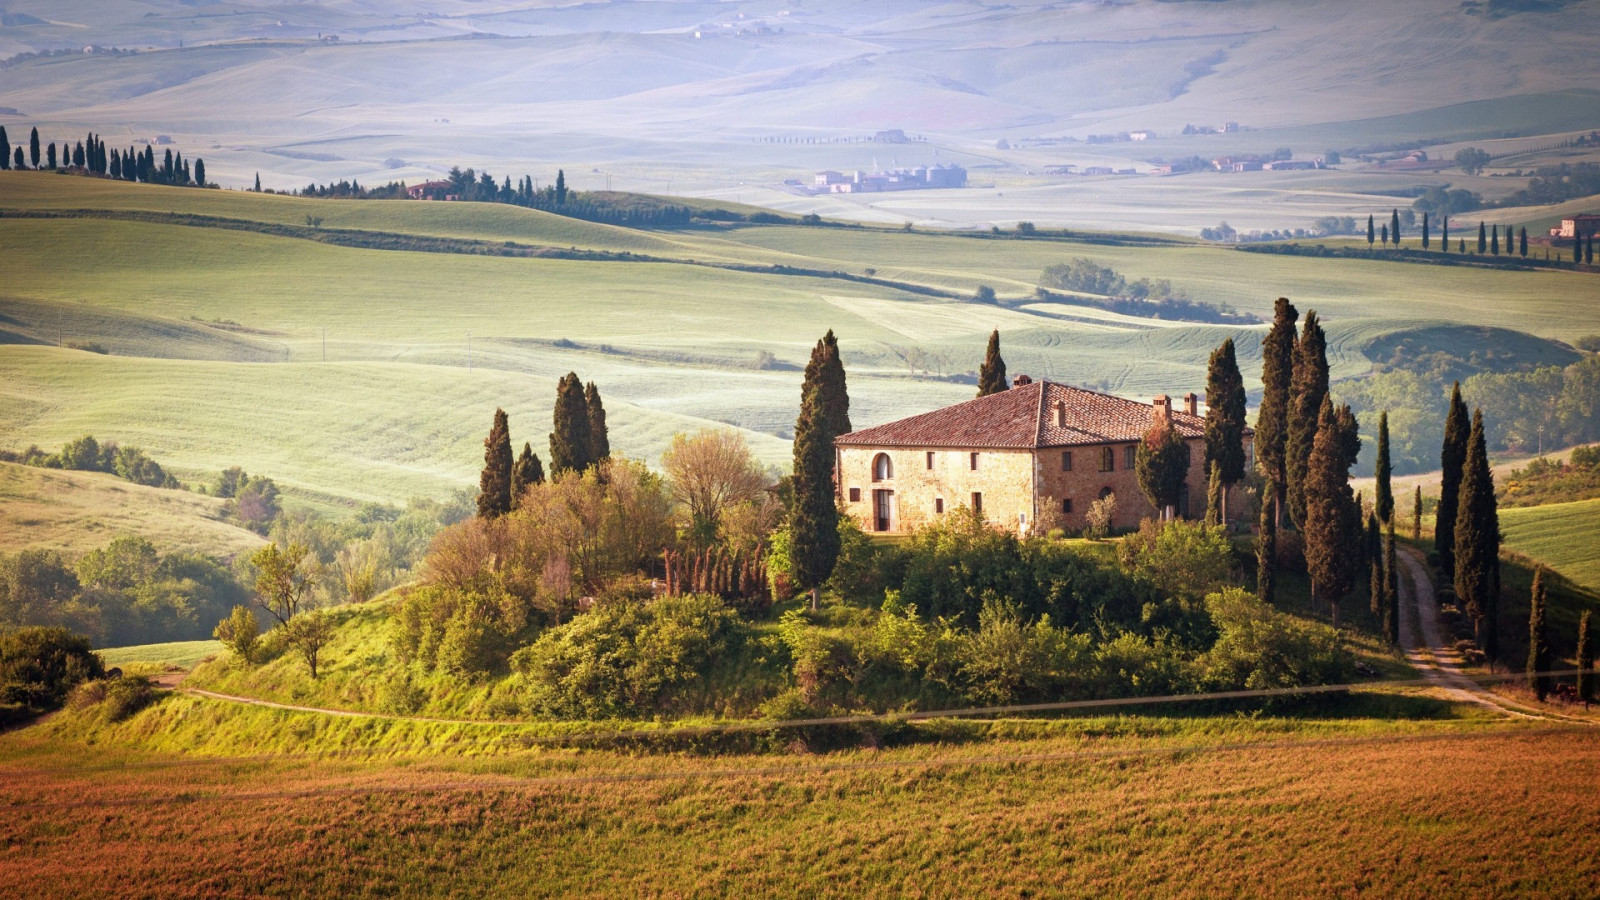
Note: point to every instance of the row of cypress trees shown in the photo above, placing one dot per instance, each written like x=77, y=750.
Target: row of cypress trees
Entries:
x=579, y=442
x=91, y=154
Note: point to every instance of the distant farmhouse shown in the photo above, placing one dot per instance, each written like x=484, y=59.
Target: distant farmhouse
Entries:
x=1585, y=226
x=919, y=178
x=1039, y=451
x=432, y=190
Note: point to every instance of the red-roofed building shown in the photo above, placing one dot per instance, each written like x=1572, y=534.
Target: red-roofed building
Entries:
x=1036, y=455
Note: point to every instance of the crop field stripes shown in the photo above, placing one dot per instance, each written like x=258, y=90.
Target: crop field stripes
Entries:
x=512, y=784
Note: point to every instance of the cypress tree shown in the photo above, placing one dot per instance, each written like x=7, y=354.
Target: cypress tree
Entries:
x=814, y=517
x=258, y=182
x=116, y=165
x=5, y=150
x=1267, y=554
x=1444, y=235
x=1374, y=565
x=1538, y=639
x=1416, y=514
x=1215, y=496
x=569, y=442
x=1522, y=242
x=1383, y=498
x=16, y=158
x=835, y=394
x=1272, y=420
x=1483, y=237
x=527, y=471
x=78, y=158
x=1494, y=241
x=1391, y=588
x=1332, y=524
x=992, y=374
x=1394, y=227
x=1585, y=660
x=1162, y=463
x=599, y=435
x=1386, y=235
x=200, y=172
x=1225, y=421
x=1372, y=234
x=1452, y=455
x=1477, y=540
x=1425, y=243
x=1308, y=387
x=50, y=156
x=494, y=485
x=561, y=187
x=33, y=147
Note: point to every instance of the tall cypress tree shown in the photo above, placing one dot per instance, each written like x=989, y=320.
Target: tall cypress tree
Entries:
x=1477, y=541
x=1416, y=513
x=200, y=172
x=1215, y=496
x=1332, y=525
x=1425, y=244
x=1394, y=227
x=1391, y=588
x=1494, y=241
x=570, y=444
x=258, y=182
x=1267, y=554
x=1538, y=639
x=527, y=471
x=1522, y=242
x=1444, y=235
x=992, y=374
x=1372, y=231
x=5, y=150
x=1225, y=420
x=494, y=485
x=1383, y=498
x=1483, y=237
x=1374, y=565
x=50, y=156
x=1585, y=660
x=561, y=187
x=1385, y=234
x=33, y=147
x=599, y=435
x=1451, y=457
x=1272, y=420
x=1308, y=387
x=831, y=381
x=814, y=518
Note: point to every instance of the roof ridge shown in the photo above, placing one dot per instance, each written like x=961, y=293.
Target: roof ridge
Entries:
x=1038, y=418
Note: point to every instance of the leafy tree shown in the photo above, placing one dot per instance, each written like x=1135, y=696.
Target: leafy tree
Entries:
x=1586, y=674
x=570, y=442
x=1452, y=455
x=599, y=435
x=1225, y=421
x=1477, y=540
x=1383, y=497
x=238, y=632
x=285, y=577
x=1267, y=555
x=33, y=147
x=1162, y=463
x=494, y=483
x=1272, y=420
x=34, y=585
x=711, y=471
x=1394, y=227
x=992, y=374
x=1538, y=638
x=1332, y=554
x=308, y=634
x=1471, y=160
x=527, y=471
x=40, y=665
x=1308, y=387
x=813, y=521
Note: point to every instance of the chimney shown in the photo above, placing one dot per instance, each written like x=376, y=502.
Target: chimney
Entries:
x=1161, y=408
x=1061, y=414
x=1021, y=380
x=1191, y=404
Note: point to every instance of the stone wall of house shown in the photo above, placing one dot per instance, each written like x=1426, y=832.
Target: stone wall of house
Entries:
x=1085, y=482
x=1003, y=477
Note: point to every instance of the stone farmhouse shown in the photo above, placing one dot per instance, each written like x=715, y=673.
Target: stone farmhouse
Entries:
x=1586, y=225
x=1039, y=453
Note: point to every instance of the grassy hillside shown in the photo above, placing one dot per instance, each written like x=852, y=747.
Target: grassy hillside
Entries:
x=183, y=654
x=75, y=512
x=1560, y=535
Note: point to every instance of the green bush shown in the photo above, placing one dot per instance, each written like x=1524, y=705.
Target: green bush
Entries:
x=1259, y=648
x=39, y=666
x=628, y=657
x=1007, y=661
x=118, y=698
x=464, y=632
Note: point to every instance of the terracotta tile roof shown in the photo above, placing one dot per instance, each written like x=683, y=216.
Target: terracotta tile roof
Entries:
x=1024, y=418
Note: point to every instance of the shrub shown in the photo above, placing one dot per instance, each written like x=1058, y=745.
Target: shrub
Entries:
x=1586, y=457
x=1182, y=559
x=626, y=657
x=953, y=563
x=464, y=632
x=238, y=632
x=39, y=666
x=118, y=698
x=1007, y=661
x=1260, y=648
x=308, y=633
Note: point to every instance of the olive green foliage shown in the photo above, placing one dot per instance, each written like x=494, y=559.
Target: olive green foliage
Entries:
x=253, y=500
x=992, y=372
x=39, y=666
x=1259, y=648
x=1162, y=464
x=285, y=577
x=85, y=454
x=239, y=633
x=571, y=441
x=463, y=632
x=115, y=698
x=1215, y=494
x=1180, y=559
x=307, y=634
x=628, y=657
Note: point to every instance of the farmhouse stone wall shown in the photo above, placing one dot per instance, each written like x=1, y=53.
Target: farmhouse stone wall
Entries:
x=1003, y=477
x=1085, y=482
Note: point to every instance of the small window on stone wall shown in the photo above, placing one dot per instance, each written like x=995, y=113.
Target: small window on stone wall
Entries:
x=938, y=506
x=1108, y=459
x=1066, y=461
x=930, y=459
x=1066, y=504
x=855, y=495
x=973, y=462
x=1130, y=456
x=977, y=501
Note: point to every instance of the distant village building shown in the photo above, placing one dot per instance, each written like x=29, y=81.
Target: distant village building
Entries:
x=432, y=190
x=943, y=175
x=1040, y=449
x=1140, y=135
x=1292, y=165
x=1585, y=226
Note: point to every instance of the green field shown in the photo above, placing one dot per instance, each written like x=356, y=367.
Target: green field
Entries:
x=344, y=373
x=1563, y=536
x=183, y=654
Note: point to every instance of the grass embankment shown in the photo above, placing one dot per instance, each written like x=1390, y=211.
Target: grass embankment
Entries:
x=75, y=512
x=1079, y=813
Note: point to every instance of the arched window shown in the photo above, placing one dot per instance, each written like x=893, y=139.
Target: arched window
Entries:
x=1106, y=492
x=882, y=468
